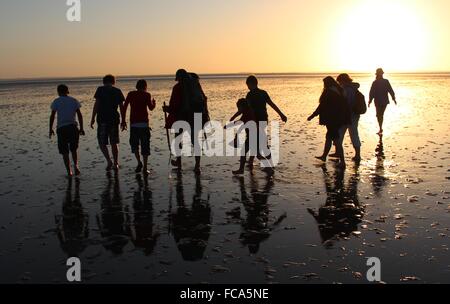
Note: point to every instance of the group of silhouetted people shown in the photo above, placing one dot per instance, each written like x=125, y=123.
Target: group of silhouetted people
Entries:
x=340, y=107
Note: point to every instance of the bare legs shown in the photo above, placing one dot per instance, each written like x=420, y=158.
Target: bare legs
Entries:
x=75, y=163
x=339, y=152
x=66, y=159
x=142, y=164
x=115, y=152
x=380, y=119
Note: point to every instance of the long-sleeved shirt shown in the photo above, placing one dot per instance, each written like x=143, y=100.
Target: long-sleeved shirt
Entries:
x=380, y=90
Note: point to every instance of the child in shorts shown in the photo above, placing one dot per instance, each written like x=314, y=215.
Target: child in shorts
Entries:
x=65, y=108
x=140, y=101
x=247, y=116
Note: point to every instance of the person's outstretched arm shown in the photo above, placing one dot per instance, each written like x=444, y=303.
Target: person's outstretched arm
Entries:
x=391, y=91
x=235, y=115
x=275, y=107
x=52, y=121
x=94, y=113
x=80, y=120
x=316, y=113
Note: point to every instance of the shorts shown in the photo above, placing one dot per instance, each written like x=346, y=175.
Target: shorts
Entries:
x=108, y=134
x=140, y=136
x=380, y=110
x=68, y=138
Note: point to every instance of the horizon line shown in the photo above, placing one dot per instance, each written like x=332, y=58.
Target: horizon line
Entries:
x=206, y=75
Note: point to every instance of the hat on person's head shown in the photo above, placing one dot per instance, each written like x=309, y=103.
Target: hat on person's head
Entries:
x=181, y=73
x=344, y=78
x=380, y=71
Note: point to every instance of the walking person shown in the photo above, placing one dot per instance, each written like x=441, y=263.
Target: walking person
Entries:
x=66, y=108
x=140, y=101
x=258, y=100
x=186, y=103
x=108, y=99
x=333, y=113
x=350, y=90
x=246, y=116
x=381, y=88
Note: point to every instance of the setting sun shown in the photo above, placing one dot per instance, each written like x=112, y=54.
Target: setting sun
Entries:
x=383, y=33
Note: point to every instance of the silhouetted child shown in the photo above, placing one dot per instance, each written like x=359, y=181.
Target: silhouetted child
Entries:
x=65, y=108
x=246, y=116
x=258, y=100
x=139, y=101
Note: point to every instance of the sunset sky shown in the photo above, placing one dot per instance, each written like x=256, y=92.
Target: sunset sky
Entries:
x=143, y=37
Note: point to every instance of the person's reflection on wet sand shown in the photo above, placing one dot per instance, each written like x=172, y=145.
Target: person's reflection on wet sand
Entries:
x=143, y=234
x=342, y=212
x=191, y=226
x=73, y=225
x=255, y=227
x=377, y=177
x=114, y=220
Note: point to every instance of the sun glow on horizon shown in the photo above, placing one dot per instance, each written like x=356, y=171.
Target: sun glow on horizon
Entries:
x=383, y=34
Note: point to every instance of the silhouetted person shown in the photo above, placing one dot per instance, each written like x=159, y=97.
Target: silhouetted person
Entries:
x=108, y=99
x=350, y=89
x=247, y=115
x=65, y=108
x=378, y=178
x=381, y=88
x=143, y=234
x=333, y=113
x=114, y=220
x=191, y=226
x=187, y=100
x=73, y=225
x=342, y=212
x=258, y=100
x=141, y=102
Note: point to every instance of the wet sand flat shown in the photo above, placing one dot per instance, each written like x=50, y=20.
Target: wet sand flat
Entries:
x=310, y=223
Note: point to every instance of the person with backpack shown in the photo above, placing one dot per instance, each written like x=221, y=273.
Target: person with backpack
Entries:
x=381, y=88
x=186, y=103
x=354, y=100
x=333, y=113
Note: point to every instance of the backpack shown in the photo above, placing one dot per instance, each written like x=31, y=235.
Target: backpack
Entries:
x=193, y=99
x=360, y=106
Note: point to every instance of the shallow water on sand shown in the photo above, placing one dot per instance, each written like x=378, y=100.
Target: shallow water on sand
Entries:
x=310, y=223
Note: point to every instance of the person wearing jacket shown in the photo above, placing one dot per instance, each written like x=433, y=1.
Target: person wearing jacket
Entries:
x=333, y=113
x=380, y=91
x=350, y=88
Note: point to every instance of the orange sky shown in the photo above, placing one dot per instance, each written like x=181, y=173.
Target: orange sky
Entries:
x=140, y=37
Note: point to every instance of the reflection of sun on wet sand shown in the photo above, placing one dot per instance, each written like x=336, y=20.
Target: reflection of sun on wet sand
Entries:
x=395, y=204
